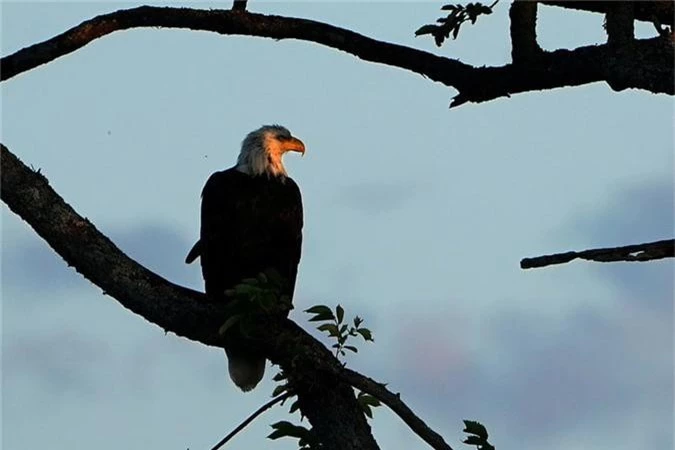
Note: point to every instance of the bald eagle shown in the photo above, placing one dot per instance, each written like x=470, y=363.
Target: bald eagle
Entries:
x=251, y=221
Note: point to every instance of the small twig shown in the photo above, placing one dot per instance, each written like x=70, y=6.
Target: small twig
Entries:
x=394, y=402
x=641, y=252
x=252, y=417
x=239, y=5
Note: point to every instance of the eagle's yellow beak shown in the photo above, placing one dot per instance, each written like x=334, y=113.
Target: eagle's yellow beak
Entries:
x=294, y=145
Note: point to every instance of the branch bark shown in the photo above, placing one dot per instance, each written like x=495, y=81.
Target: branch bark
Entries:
x=323, y=386
x=645, y=11
x=327, y=401
x=620, y=23
x=647, y=65
x=393, y=401
x=640, y=252
x=523, y=15
x=239, y=5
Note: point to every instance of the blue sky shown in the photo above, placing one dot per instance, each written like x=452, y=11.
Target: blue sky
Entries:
x=416, y=219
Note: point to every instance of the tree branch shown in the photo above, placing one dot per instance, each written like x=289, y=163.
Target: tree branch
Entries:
x=645, y=11
x=239, y=5
x=648, y=65
x=393, y=401
x=620, y=23
x=323, y=387
x=640, y=252
x=523, y=15
x=251, y=418
x=328, y=402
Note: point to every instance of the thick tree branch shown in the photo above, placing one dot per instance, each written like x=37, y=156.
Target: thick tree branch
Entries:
x=640, y=252
x=323, y=387
x=620, y=23
x=327, y=401
x=646, y=11
x=646, y=64
x=393, y=401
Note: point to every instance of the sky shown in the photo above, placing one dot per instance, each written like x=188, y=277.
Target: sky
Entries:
x=416, y=218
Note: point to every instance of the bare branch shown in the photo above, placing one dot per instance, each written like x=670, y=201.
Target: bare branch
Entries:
x=251, y=418
x=647, y=65
x=321, y=383
x=393, y=401
x=328, y=402
x=523, y=15
x=619, y=22
x=640, y=252
x=239, y=5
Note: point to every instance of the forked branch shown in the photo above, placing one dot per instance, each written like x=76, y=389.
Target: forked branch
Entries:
x=647, y=65
x=323, y=387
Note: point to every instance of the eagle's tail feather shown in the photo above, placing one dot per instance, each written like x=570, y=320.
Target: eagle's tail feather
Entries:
x=246, y=370
x=194, y=252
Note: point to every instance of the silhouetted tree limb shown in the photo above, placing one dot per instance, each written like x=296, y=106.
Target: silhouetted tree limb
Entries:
x=620, y=23
x=323, y=387
x=640, y=252
x=327, y=401
x=239, y=5
x=393, y=401
x=523, y=15
x=645, y=64
x=646, y=11
x=252, y=417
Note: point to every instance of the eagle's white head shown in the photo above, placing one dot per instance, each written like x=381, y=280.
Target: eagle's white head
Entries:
x=262, y=150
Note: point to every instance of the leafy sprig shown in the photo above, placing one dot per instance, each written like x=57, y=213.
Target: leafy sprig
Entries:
x=336, y=328
x=262, y=294
x=451, y=24
x=478, y=435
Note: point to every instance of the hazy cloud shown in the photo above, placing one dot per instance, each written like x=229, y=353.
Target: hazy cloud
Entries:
x=377, y=198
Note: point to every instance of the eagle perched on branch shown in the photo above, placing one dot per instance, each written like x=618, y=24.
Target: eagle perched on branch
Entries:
x=251, y=221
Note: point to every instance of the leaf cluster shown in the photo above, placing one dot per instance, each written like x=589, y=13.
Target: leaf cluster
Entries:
x=262, y=294
x=307, y=440
x=451, y=24
x=337, y=329
x=478, y=435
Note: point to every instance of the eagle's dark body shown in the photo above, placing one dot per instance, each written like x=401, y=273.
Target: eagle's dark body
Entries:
x=251, y=221
x=248, y=224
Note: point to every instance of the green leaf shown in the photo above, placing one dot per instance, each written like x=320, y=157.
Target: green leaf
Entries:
x=426, y=29
x=319, y=309
x=287, y=429
x=366, y=334
x=357, y=321
x=343, y=329
x=262, y=278
x=330, y=328
x=352, y=348
x=340, y=313
x=279, y=389
x=367, y=399
x=246, y=289
x=474, y=440
x=294, y=407
x=322, y=316
x=229, y=322
x=279, y=376
x=477, y=428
